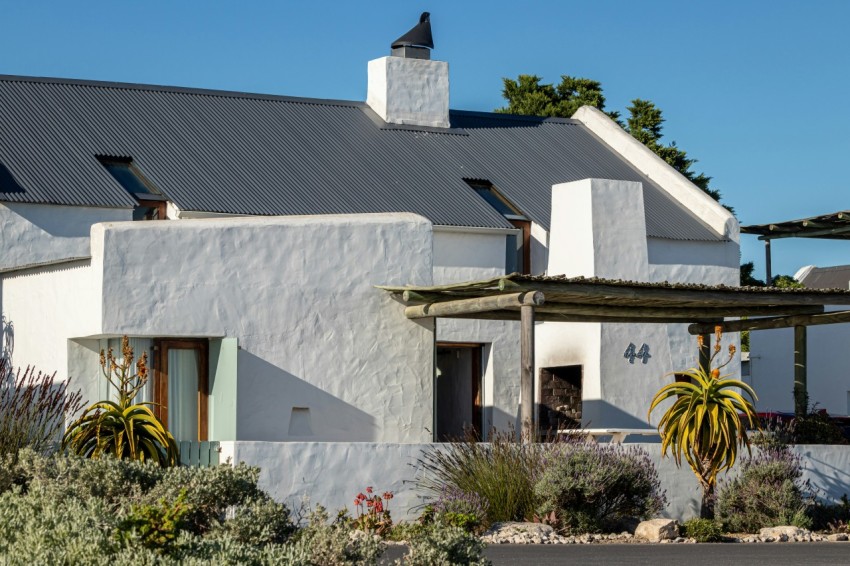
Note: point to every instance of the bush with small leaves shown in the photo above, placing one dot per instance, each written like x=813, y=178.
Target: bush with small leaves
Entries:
x=334, y=544
x=591, y=487
x=257, y=521
x=769, y=492
x=703, y=530
x=441, y=545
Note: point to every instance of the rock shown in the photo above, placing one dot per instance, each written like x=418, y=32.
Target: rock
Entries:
x=837, y=537
x=783, y=533
x=657, y=530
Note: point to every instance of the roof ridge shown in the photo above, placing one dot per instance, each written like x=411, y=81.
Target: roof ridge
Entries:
x=192, y=91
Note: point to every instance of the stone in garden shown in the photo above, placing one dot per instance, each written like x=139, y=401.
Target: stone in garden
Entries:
x=837, y=537
x=657, y=530
x=782, y=533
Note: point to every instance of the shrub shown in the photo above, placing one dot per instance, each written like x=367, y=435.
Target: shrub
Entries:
x=590, y=487
x=769, y=492
x=70, y=510
x=211, y=491
x=467, y=511
x=816, y=427
x=334, y=544
x=441, y=545
x=33, y=407
x=831, y=516
x=501, y=473
x=154, y=526
x=703, y=530
x=375, y=517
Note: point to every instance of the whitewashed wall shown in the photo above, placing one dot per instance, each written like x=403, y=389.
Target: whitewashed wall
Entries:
x=46, y=306
x=331, y=474
x=298, y=294
x=38, y=233
x=828, y=379
x=596, y=233
x=465, y=255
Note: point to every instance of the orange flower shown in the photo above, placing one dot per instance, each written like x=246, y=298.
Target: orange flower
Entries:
x=715, y=373
x=700, y=341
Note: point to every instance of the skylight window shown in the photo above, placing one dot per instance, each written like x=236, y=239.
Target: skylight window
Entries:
x=151, y=201
x=517, y=246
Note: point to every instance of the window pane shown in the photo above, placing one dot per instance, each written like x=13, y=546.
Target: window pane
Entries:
x=183, y=369
x=126, y=177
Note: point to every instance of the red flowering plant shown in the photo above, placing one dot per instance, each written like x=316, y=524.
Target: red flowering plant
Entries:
x=373, y=513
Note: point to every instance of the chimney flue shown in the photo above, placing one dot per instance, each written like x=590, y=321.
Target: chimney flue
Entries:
x=416, y=43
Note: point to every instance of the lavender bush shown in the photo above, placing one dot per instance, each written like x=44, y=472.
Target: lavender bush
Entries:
x=32, y=409
x=589, y=487
x=769, y=492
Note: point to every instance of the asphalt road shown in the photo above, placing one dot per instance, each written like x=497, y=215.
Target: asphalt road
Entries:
x=802, y=554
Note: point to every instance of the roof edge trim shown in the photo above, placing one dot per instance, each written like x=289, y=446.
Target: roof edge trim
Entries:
x=665, y=176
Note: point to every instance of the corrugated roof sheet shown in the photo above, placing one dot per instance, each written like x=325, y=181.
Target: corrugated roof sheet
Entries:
x=240, y=153
x=837, y=277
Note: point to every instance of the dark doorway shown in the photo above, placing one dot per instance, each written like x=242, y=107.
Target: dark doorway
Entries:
x=560, y=399
x=458, y=391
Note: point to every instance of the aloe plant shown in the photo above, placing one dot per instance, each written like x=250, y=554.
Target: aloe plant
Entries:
x=704, y=425
x=122, y=428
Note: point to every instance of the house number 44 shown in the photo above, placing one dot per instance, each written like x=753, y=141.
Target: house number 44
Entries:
x=633, y=352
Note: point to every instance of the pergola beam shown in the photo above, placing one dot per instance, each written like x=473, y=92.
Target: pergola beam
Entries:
x=475, y=305
x=773, y=322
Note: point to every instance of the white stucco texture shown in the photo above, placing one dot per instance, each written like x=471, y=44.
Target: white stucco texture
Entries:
x=595, y=232
x=409, y=91
x=38, y=233
x=828, y=379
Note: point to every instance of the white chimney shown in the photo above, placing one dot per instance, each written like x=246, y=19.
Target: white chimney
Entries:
x=408, y=87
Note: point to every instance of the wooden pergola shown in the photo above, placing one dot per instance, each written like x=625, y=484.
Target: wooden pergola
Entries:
x=833, y=226
x=562, y=299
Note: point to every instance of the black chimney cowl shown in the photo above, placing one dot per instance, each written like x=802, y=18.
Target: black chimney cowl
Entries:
x=418, y=36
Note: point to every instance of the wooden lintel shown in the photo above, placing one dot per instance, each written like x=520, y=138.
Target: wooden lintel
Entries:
x=773, y=322
x=476, y=305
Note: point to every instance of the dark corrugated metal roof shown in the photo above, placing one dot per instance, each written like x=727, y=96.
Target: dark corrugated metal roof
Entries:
x=837, y=277
x=239, y=153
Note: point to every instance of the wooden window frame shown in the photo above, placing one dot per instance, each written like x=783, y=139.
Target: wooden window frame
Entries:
x=158, y=205
x=525, y=227
x=160, y=383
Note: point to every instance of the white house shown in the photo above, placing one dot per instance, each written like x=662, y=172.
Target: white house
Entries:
x=772, y=355
x=252, y=287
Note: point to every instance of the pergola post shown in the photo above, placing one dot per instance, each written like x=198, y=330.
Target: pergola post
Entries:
x=768, y=271
x=801, y=395
x=528, y=421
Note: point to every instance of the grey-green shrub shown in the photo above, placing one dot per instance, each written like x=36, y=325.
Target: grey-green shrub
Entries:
x=592, y=488
x=769, y=492
x=68, y=510
x=441, y=545
x=703, y=530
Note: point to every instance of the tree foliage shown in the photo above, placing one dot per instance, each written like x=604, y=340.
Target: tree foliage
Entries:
x=526, y=95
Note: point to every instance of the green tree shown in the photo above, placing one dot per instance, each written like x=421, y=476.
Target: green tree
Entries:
x=528, y=96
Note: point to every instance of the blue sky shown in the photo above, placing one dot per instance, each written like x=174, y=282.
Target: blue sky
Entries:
x=757, y=91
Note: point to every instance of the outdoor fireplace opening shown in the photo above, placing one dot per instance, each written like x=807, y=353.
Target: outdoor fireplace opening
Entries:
x=560, y=399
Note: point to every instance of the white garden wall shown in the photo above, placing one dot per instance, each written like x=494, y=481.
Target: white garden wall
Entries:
x=331, y=474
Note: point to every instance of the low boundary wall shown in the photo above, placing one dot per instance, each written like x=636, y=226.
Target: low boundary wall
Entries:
x=333, y=473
